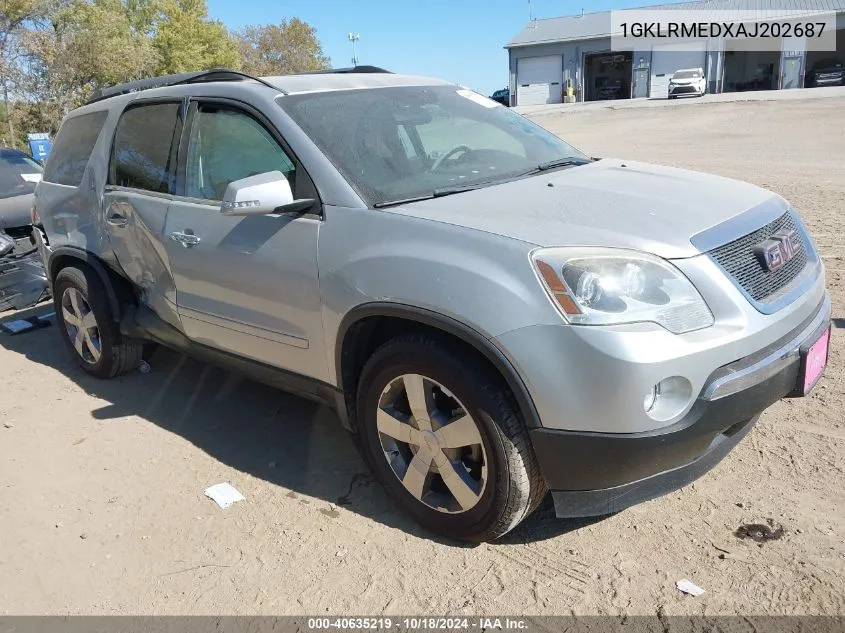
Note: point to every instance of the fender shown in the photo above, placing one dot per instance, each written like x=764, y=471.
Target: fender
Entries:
x=451, y=326
x=96, y=264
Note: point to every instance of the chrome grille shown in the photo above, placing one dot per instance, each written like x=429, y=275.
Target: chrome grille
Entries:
x=740, y=261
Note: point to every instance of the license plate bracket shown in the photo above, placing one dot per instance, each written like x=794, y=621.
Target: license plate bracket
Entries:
x=814, y=357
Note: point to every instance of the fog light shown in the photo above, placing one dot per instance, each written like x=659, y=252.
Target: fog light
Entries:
x=668, y=398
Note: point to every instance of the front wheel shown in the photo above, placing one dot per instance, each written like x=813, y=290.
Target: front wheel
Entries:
x=443, y=436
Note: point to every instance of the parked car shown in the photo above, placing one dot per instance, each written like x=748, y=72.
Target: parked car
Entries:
x=508, y=318
x=827, y=72
x=612, y=89
x=18, y=176
x=502, y=96
x=690, y=81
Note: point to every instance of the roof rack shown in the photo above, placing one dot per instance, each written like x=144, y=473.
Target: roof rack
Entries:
x=344, y=71
x=212, y=74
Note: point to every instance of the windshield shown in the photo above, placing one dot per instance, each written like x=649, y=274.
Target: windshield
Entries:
x=18, y=173
x=398, y=143
x=687, y=74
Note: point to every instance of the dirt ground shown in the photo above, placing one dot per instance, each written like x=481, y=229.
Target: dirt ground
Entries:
x=101, y=483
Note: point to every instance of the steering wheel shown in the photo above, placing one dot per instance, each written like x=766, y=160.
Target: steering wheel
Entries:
x=450, y=153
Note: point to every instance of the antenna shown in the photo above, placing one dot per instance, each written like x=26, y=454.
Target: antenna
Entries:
x=530, y=12
x=354, y=37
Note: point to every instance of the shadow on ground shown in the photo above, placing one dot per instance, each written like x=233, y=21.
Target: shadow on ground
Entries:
x=256, y=429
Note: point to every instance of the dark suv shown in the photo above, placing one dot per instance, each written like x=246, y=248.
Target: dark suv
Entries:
x=827, y=72
x=502, y=96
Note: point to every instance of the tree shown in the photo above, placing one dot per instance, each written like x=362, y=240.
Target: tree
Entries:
x=187, y=39
x=55, y=53
x=87, y=44
x=14, y=14
x=280, y=49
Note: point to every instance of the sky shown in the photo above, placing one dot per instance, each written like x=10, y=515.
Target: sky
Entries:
x=457, y=40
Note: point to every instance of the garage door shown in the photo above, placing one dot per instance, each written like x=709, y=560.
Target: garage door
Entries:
x=538, y=80
x=667, y=58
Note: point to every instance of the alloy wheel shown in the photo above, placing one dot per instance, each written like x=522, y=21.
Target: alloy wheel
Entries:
x=432, y=444
x=81, y=325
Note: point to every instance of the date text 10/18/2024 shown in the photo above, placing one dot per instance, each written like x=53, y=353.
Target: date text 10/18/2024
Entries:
x=417, y=624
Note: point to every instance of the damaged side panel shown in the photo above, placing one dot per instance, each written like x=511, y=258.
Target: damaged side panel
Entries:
x=135, y=224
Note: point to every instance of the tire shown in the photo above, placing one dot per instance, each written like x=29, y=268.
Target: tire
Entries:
x=499, y=464
x=100, y=350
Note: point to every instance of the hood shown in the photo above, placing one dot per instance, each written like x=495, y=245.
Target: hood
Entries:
x=614, y=203
x=14, y=211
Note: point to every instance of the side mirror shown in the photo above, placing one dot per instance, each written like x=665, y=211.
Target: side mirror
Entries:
x=261, y=195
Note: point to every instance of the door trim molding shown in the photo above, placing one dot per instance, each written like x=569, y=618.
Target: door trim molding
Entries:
x=244, y=328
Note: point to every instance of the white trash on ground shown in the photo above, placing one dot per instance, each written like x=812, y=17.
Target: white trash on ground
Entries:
x=144, y=367
x=224, y=495
x=688, y=587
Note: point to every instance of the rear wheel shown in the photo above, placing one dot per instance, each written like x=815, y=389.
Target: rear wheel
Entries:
x=441, y=433
x=87, y=326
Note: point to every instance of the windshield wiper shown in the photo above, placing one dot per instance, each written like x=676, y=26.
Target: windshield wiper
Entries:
x=561, y=162
x=437, y=193
x=554, y=164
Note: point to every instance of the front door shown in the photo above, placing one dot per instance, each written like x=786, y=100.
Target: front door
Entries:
x=791, y=72
x=247, y=285
x=641, y=79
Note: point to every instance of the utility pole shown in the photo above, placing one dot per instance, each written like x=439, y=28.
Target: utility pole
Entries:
x=354, y=37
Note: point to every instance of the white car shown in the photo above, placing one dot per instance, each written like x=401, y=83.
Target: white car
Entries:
x=690, y=81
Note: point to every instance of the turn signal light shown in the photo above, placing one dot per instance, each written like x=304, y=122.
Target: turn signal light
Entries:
x=557, y=288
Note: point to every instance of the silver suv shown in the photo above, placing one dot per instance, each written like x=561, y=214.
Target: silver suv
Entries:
x=493, y=313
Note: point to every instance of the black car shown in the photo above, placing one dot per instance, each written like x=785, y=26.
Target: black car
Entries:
x=610, y=90
x=502, y=96
x=827, y=72
x=18, y=176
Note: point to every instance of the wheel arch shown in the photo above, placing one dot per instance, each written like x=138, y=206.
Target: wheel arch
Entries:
x=366, y=326
x=118, y=290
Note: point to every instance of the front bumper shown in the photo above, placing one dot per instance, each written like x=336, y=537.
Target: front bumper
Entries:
x=829, y=81
x=685, y=90
x=593, y=474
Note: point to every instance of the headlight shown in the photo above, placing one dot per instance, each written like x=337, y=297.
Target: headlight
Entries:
x=608, y=286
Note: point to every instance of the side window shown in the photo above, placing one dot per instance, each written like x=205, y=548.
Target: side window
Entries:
x=227, y=145
x=145, y=148
x=73, y=147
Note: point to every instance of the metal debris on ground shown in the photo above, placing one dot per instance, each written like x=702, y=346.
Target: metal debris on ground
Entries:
x=24, y=325
x=224, y=495
x=689, y=587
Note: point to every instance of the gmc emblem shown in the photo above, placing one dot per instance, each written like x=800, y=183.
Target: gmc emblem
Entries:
x=779, y=249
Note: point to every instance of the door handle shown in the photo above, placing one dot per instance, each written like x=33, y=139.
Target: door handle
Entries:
x=115, y=219
x=187, y=239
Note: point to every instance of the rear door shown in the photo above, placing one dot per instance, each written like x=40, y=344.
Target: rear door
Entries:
x=248, y=285
x=142, y=175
